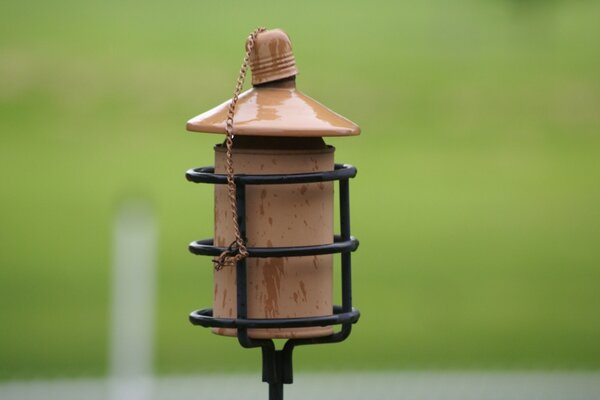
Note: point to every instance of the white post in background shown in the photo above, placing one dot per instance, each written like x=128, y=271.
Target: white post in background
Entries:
x=133, y=302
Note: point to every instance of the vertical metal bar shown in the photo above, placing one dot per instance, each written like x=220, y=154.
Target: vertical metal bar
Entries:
x=346, y=257
x=345, y=209
x=242, y=307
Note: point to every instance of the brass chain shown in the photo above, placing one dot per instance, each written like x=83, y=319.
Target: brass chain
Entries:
x=237, y=249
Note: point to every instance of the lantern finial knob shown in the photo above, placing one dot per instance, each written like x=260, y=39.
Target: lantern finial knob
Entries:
x=272, y=58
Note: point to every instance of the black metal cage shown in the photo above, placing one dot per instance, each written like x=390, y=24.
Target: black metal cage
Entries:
x=277, y=364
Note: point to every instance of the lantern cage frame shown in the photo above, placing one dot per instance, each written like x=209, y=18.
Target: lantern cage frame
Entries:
x=277, y=364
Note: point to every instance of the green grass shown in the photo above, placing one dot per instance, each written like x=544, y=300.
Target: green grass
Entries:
x=477, y=199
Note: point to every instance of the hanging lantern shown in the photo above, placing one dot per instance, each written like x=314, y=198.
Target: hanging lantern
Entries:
x=274, y=237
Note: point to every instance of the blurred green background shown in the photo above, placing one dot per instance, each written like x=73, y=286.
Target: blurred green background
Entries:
x=477, y=201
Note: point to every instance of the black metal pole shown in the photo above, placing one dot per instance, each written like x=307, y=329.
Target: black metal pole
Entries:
x=276, y=391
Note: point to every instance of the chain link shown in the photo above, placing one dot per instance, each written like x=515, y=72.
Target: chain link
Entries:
x=237, y=249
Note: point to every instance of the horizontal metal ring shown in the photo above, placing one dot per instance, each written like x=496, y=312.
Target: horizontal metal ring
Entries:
x=207, y=175
x=205, y=318
x=206, y=248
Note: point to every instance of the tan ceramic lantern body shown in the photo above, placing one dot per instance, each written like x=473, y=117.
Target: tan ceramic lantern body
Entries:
x=278, y=131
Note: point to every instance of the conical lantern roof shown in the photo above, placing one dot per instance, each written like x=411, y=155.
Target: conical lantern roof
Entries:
x=274, y=107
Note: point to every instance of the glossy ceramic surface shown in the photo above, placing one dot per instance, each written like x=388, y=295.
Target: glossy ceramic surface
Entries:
x=273, y=111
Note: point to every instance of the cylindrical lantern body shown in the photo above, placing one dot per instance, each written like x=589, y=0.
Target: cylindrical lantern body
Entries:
x=278, y=216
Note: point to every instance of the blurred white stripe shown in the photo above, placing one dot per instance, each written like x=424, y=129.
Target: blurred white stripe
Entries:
x=133, y=302
x=347, y=386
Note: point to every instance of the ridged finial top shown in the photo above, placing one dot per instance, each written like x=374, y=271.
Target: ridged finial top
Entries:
x=272, y=58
